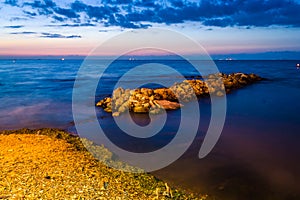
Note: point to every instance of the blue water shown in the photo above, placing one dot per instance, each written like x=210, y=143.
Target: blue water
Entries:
x=38, y=93
x=261, y=135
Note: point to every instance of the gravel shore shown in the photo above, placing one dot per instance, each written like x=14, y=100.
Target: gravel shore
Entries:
x=52, y=164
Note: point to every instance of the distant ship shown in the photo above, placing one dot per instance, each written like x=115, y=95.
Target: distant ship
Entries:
x=62, y=59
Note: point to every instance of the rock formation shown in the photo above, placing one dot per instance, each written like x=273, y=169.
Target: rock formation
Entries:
x=145, y=100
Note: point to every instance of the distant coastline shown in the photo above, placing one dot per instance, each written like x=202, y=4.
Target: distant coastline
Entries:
x=273, y=55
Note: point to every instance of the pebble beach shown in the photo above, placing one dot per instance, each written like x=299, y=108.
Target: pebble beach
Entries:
x=52, y=164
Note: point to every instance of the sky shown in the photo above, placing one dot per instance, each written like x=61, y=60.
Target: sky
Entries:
x=229, y=27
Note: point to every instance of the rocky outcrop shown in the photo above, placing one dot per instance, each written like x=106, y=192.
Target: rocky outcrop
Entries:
x=153, y=101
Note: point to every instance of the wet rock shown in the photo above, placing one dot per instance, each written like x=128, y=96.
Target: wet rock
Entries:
x=168, y=105
x=116, y=114
x=164, y=94
x=153, y=101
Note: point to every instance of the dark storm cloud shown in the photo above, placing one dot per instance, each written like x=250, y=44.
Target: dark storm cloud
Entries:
x=56, y=35
x=142, y=13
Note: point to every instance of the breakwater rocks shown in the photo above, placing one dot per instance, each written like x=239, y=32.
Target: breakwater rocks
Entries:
x=153, y=101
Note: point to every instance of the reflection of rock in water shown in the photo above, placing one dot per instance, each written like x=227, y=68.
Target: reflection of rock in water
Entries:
x=141, y=120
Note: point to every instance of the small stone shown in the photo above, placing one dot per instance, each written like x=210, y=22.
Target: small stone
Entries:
x=140, y=109
x=115, y=114
x=220, y=94
x=108, y=110
x=47, y=177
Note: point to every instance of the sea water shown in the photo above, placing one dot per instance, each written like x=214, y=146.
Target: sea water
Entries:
x=257, y=156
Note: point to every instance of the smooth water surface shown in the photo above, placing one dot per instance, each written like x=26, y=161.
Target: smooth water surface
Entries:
x=257, y=156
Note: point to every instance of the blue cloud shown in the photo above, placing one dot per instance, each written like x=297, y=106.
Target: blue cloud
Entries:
x=177, y=3
x=56, y=35
x=66, y=12
x=77, y=25
x=259, y=13
x=143, y=13
x=117, y=2
x=43, y=7
x=15, y=27
x=78, y=6
x=11, y=2
x=60, y=19
x=122, y=21
x=46, y=35
x=147, y=3
x=107, y=15
x=31, y=14
x=23, y=33
x=73, y=36
x=72, y=25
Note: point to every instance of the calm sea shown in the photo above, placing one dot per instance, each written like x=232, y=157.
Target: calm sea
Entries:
x=257, y=156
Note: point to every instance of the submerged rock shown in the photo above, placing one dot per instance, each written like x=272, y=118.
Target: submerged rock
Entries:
x=146, y=100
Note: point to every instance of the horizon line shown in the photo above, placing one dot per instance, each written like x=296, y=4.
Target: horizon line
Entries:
x=268, y=55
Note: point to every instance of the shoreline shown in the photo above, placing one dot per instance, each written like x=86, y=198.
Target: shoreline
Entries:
x=140, y=184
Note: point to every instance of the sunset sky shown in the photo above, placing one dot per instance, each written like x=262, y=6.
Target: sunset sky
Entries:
x=56, y=27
